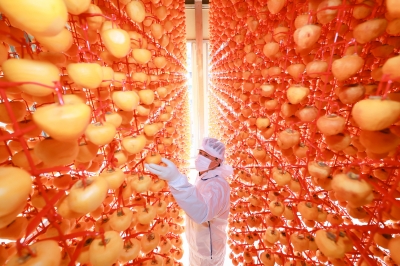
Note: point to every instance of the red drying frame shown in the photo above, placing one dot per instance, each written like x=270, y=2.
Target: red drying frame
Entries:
x=174, y=77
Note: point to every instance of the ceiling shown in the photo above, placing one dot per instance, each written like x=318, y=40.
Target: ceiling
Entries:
x=191, y=2
x=190, y=20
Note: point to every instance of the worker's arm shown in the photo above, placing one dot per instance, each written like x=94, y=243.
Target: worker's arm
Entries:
x=200, y=207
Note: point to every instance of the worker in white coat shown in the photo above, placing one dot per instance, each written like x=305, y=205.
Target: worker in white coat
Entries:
x=206, y=203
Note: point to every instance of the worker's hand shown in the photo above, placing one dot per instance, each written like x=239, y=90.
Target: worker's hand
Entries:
x=168, y=173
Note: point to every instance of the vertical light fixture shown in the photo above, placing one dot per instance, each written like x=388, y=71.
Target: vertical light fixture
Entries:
x=199, y=96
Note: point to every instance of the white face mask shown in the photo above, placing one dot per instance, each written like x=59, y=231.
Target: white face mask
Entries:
x=202, y=163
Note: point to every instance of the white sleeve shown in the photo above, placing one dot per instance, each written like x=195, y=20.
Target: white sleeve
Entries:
x=200, y=206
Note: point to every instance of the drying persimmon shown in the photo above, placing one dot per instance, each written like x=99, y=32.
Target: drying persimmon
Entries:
x=105, y=251
x=25, y=70
x=63, y=122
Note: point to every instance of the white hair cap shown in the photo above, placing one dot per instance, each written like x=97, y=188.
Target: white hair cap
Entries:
x=214, y=147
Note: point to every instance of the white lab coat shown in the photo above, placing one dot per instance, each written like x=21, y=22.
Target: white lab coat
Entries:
x=206, y=204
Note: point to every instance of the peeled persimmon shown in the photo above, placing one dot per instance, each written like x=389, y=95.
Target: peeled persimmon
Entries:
x=108, y=25
x=116, y=41
x=157, y=30
x=76, y=7
x=119, y=79
x=151, y=129
x=113, y=118
x=391, y=68
x=87, y=152
x=18, y=109
x=141, y=56
x=375, y=114
x=86, y=196
x=296, y=70
x=161, y=12
x=369, y=30
x=297, y=93
x=114, y=177
x=153, y=157
x=14, y=193
x=41, y=17
x=62, y=181
x=63, y=122
x=60, y=42
x=275, y=6
x=95, y=22
x=130, y=251
x=316, y=68
x=42, y=250
x=306, y=36
x=339, y=141
x=363, y=10
x=393, y=246
x=326, y=11
x=125, y=100
x=100, y=133
x=137, y=40
x=19, y=159
x=136, y=11
x=379, y=141
x=307, y=114
x=25, y=70
x=160, y=61
x=56, y=153
x=146, y=96
x=87, y=75
x=15, y=230
x=149, y=242
x=120, y=220
x=141, y=183
x=108, y=76
x=106, y=252
x=347, y=66
x=351, y=187
x=55, y=58
x=350, y=94
x=327, y=244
